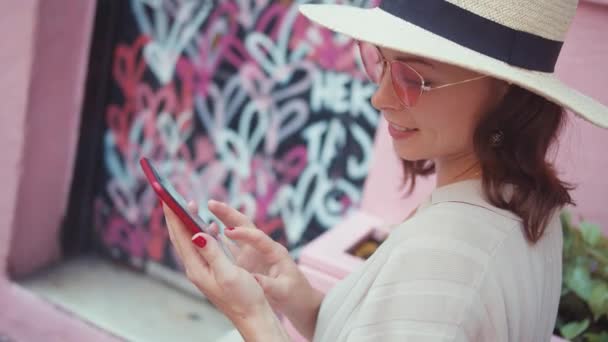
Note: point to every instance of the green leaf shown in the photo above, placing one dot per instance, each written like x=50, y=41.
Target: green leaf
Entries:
x=578, y=250
x=573, y=329
x=578, y=279
x=591, y=233
x=598, y=255
x=601, y=337
x=566, y=219
x=599, y=299
x=568, y=245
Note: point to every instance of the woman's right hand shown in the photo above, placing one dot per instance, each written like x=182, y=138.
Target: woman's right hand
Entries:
x=285, y=286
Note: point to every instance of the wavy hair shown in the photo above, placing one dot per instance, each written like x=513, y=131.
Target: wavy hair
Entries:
x=530, y=125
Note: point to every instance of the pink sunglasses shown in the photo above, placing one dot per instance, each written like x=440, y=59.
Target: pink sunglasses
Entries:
x=407, y=82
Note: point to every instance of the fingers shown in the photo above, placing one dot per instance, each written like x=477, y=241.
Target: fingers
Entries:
x=229, y=216
x=273, y=286
x=173, y=224
x=192, y=208
x=271, y=250
x=232, y=246
x=195, y=266
x=214, y=229
x=208, y=248
x=201, y=256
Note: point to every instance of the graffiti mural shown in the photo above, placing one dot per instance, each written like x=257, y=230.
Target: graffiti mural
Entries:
x=241, y=101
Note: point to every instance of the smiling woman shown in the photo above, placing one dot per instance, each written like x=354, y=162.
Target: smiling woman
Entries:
x=480, y=259
x=508, y=137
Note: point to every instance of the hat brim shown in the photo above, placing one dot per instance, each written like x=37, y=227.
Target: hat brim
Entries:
x=383, y=29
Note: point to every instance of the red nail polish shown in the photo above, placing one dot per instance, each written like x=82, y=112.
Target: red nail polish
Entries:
x=230, y=228
x=200, y=241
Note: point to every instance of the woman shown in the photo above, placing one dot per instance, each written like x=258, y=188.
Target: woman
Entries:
x=469, y=93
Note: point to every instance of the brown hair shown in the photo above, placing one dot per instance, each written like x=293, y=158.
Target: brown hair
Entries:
x=530, y=125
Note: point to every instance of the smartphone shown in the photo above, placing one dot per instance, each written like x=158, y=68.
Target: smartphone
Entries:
x=169, y=195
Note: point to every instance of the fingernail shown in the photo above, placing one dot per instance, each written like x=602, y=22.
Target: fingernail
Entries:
x=200, y=241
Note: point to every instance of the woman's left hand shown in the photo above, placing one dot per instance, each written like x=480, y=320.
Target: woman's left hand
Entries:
x=233, y=290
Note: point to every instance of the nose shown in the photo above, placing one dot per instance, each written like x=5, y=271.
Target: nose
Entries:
x=385, y=98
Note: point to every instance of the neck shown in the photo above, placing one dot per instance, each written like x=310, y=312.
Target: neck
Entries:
x=457, y=168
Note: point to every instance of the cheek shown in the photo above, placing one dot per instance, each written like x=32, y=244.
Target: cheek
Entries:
x=447, y=137
x=454, y=138
x=454, y=123
x=447, y=120
x=442, y=133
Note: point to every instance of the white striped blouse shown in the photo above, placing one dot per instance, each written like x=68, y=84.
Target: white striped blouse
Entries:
x=460, y=269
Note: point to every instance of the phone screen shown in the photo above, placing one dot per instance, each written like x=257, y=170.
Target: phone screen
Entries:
x=181, y=202
x=164, y=182
x=169, y=188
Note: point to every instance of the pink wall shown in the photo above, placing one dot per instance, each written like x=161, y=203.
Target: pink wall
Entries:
x=15, y=59
x=26, y=317
x=43, y=52
x=43, y=47
x=582, y=154
x=51, y=125
x=581, y=157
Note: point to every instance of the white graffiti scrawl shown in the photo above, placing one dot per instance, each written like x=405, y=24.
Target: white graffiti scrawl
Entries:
x=245, y=102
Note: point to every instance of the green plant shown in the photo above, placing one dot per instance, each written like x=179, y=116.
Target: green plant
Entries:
x=583, y=307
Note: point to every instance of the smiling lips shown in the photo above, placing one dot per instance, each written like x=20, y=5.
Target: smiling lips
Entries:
x=400, y=132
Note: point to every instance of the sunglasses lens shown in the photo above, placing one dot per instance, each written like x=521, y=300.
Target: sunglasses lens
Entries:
x=371, y=61
x=407, y=83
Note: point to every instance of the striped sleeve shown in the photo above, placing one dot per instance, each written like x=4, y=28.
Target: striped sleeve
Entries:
x=428, y=290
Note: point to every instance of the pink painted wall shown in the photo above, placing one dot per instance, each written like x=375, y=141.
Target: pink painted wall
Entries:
x=52, y=116
x=26, y=317
x=17, y=20
x=43, y=48
x=581, y=157
x=43, y=52
x=582, y=154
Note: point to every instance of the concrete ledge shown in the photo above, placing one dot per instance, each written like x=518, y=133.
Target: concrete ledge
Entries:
x=23, y=312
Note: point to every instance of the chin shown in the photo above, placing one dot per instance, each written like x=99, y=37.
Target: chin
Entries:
x=410, y=153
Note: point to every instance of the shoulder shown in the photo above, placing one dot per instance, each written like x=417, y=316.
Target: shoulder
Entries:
x=450, y=241
x=457, y=227
x=430, y=280
x=435, y=266
x=449, y=249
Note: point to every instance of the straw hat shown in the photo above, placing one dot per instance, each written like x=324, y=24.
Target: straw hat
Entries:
x=514, y=40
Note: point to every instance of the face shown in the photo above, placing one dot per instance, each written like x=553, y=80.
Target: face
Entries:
x=443, y=120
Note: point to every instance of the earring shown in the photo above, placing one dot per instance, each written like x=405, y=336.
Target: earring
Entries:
x=497, y=138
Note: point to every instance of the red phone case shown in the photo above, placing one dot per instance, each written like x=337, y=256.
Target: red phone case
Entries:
x=167, y=198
